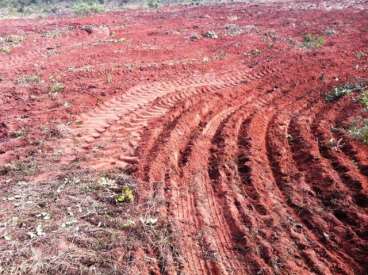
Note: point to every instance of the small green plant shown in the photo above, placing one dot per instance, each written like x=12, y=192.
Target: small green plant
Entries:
x=28, y=79
x=364, y=99
x=343, y=90
x=127, y=195
x=312, y=41
x=5, y=50
x=153, y=4
x=56, y=87
x=359, y=130
x=9, y=42
x=87, y=8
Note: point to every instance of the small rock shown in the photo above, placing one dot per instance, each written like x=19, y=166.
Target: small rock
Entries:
x=43, y=215
x=68, y=223
x=87, y=28
x=39, y=230
x=31, y=235
x=149, y=220
x=194, y=37
x=7, y=237
x=327, y=237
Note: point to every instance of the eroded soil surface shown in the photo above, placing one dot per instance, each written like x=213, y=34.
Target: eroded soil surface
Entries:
x=230, y=134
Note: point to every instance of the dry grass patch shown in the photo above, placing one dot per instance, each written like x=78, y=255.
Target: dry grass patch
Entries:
x=74, y=225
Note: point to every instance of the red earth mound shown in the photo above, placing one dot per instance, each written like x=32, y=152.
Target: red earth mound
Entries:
x=233, y=132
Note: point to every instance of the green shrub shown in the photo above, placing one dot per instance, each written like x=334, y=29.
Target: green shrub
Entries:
x=153, y=4
x=86, y=8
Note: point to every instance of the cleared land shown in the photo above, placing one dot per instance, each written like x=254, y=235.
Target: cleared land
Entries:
x=225, y=139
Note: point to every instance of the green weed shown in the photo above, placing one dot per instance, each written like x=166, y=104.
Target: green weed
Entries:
x=359, y=130
x=343, y=90
x=312, y=41
x=56, y=88
x=364, y=99
x=127, y=195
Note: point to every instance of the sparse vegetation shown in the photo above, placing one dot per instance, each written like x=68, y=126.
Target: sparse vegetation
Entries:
x=5, y=49
x=9, y=42
x=87, y=7
x=360, y=54
x=233, y=29
x=359, y=130
x=56, y=87
x=196, y=2
x=28, y=79
x=126, y=195
x=19, y=168
x=364, y=99
x=344, y=90
x=18, y=133
x=153, y=4
x=14, y=39
x=312, y=41
x=208, y=129
x=46, y=236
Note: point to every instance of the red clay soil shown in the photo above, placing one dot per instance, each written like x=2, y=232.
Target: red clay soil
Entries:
x=232, y=132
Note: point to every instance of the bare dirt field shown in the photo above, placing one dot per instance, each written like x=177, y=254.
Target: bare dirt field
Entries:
x=185, y=140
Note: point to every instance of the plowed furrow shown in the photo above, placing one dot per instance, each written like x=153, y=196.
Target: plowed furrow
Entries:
x=262, y=177
x=216, y=246
x=358, y=155
x=203, y=140
x=329, y=148
x=326, y=186
x=295, y=194
x=100, y=128
x=344, y=188
x=182, y=214
x=240, y=220
x=199, y=143
x=208, y=129
x=152, y=172
x=231, y=125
